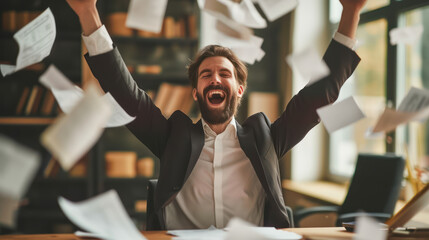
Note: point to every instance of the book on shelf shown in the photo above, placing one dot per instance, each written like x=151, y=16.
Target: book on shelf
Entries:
x=33, y=94
x=14, y=20
x=145, y=167
x=37, y=101
x=120, y=164
x=174, y=97
x=48, y=104
x=22, y=100
x=192, y=26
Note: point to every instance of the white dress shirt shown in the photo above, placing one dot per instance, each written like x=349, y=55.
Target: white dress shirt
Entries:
x=223, y=183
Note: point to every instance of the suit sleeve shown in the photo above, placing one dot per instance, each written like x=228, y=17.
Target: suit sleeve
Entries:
x=300, y=115
x=150, y=126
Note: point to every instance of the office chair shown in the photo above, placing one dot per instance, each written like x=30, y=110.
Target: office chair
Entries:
x=374, y=189
x=150, y=204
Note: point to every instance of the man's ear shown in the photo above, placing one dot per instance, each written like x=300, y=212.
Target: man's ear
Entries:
x=240, y=91
x=194, y=94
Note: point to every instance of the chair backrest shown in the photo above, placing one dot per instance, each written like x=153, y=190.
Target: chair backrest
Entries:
x=375, y=184
x=150, y=210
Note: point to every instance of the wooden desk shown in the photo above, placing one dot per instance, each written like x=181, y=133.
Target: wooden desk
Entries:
x=331, y=233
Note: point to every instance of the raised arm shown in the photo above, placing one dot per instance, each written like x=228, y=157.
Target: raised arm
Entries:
x=350, y=17
x=150, y=126
x=87, y=12
x=300, y=115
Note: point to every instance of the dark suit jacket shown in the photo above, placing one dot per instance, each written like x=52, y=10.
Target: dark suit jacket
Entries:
x=178, y=142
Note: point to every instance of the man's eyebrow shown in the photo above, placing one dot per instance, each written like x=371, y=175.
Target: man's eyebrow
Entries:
x=225, y=70
x=204, y=71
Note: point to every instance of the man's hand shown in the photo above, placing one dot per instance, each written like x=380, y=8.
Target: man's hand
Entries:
x=350, y=17
x=87, y=13
x=353, y=5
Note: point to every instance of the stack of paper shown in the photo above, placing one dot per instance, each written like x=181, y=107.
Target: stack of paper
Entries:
x=18, y=166
x=35, y=42
x=103, y=217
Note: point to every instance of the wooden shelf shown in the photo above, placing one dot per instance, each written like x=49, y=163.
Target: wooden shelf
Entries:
x=26, y=120
x=137, y=39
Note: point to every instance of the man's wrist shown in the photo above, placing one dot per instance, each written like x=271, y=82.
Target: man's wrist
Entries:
x=90, y=20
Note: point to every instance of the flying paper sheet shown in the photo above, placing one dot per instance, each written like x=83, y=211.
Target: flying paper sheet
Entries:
x=274, y=9
x=68, y=95
x=238, y=229
x=341, y=114
x=75, y=133
x=35, y=42
x=416, y=100
x=103, y=215
x=18, y=166
x=405, y=35
x=243, y=13
x=390, y=119
x=368, y=228
x=232, y=29
x=309, y=64
x=248, y=51
x=146, y=15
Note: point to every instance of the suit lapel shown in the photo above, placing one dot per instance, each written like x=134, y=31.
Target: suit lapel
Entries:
x=197, y=141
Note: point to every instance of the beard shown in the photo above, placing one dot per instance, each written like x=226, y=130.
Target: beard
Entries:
x=218, y=115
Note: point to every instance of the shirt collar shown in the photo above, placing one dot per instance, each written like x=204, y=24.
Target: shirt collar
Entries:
x=232, y=126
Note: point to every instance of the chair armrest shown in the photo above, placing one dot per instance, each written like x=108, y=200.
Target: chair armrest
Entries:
x=348, y=217
x=300, y=214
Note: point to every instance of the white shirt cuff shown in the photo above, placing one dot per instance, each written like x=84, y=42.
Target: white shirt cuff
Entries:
x=346, y=41
x=98, y=42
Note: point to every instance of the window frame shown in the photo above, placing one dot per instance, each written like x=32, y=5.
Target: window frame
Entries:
x=391, y=13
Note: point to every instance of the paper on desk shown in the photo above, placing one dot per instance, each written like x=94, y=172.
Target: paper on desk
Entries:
x=416, y=100
x=243, y=13
x=405, y=35
x=103, y=215
x=35, y=41
x=18, y=166
x=309, y=64
x=211, y=233
x=146, y=15
x=274, y=9
x=238, y=229
x=368, y=228
x=68, y=95
x=75, y=133
x=340, y=114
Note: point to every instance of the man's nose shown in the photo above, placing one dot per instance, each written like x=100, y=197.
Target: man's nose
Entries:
x=215, y=80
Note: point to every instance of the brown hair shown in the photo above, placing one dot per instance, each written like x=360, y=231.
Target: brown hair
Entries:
x=214, y=51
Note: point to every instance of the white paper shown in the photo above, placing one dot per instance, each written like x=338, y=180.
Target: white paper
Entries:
x=243, y=13
x=234, y=30
x=238, y=229
x=340, y=114
x=35, y=41
x=68, y=95
x=309, y=64
x=118, y=117
x=75, y=133
x=368, y=228
x=405, y=35
x=416, y=100
x=390, y=119
x=247, y=51
x=8, y=208
x=211, y=233
x=103, y=215
x=92, y=235
x=274, y=9
x=18, y=166
x=146, y=15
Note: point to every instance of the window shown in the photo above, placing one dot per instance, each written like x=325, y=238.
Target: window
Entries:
x=384, y=76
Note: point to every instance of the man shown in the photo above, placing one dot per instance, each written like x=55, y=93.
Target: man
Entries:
x=217, y=169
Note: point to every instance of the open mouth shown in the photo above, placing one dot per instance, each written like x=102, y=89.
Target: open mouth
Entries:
x=216, y=97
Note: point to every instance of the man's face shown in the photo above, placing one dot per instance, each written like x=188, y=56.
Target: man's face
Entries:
x=217, y=91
